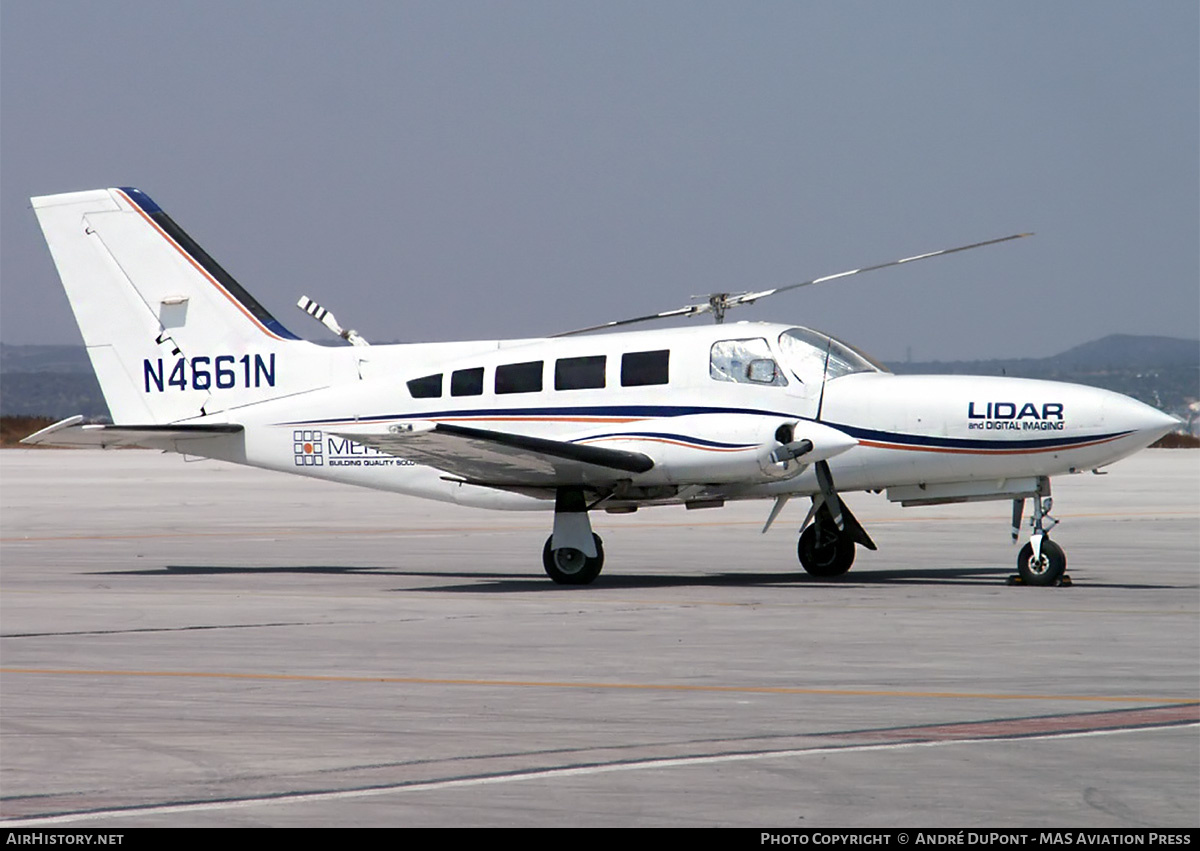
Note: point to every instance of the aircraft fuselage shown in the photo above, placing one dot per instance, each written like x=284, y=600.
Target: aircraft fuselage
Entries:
x=704, y=432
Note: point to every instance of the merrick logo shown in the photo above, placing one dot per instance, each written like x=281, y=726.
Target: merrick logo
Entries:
x=307, y=446
x=344, y=452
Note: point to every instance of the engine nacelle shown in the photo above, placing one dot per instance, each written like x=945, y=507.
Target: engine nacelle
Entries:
x=723, y=448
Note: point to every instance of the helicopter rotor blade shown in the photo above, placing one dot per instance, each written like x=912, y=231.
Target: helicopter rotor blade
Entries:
x=690, y=310
x=750, y=298
x=718, y=303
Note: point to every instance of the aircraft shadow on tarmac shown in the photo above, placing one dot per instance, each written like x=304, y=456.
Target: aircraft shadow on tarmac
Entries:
x=479, y=580
x=499, y=583
x=740, y=579
x=980, y=577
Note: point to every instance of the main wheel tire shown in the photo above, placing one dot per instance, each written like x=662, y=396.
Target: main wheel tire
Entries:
x=1048, y=569
x=832, y=558
x=568, y=566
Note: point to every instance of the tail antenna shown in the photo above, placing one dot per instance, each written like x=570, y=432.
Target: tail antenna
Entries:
x=824, y=377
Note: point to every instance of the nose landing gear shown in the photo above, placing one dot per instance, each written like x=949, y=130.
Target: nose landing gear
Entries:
x=1041, y=561
x=1046, y=568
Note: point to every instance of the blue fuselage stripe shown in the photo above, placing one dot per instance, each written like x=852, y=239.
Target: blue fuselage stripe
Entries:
x=918, y=441
x=913, y=441
x=666, y=435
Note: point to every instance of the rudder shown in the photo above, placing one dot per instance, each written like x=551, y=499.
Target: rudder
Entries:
x=171, y=334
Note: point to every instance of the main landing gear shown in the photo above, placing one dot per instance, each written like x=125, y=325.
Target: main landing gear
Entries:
x=574, y=554
x=826, y=546
x=569, y=566
x=824, y=551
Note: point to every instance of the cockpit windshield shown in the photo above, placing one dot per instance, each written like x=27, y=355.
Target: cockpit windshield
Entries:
x=805, y=351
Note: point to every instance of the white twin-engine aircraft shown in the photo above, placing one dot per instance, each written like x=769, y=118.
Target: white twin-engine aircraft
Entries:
x=189, y=362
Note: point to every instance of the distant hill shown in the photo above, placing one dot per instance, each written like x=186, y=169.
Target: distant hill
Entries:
x=57, y=381
x=1125, y=351
x=51, y=394
x=1160, y=371
x=50, y=381
x=1114, y=352
x=65, y=359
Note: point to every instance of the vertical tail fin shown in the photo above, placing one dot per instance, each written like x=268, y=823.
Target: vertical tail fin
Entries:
x=171, y=334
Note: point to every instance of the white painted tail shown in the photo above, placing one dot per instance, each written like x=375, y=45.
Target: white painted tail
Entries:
x=171, y=335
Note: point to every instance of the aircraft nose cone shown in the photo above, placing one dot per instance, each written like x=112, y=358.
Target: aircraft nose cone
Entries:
x=1160, y=423
x=1150, y=423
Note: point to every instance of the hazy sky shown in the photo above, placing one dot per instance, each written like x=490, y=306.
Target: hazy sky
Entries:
x=452, y=170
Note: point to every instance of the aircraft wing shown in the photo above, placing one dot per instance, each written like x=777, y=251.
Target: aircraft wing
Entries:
x=72, y=432
x=505, y=460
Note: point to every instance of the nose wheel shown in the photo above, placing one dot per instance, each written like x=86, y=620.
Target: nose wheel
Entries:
x=1041, y=561
x=569, y=566
x=1046, y=568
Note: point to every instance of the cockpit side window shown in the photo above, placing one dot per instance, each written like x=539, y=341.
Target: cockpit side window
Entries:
x=745, y=362
x=805, y=353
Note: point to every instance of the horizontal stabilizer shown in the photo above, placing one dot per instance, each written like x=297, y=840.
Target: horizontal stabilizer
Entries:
x=75, y=433
x=505, y=459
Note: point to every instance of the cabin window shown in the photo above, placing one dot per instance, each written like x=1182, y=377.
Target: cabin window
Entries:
x=579, y=373
x=641, y=368
x=427, y=387
x=519, y=377
x=745, y=362
x=466, y=382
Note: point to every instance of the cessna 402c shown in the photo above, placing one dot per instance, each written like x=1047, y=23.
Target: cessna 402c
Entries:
x=189, y=362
